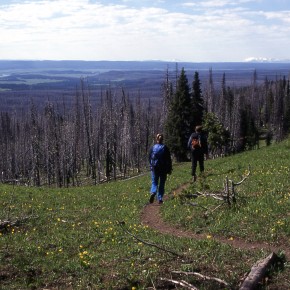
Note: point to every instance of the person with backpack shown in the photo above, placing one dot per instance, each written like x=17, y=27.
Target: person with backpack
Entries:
x=160, y=165
x=197, y=143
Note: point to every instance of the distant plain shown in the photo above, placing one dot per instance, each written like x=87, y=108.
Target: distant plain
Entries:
x=58, y=81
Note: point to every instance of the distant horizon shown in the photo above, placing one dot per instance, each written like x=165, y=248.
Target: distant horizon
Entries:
x=253, y=60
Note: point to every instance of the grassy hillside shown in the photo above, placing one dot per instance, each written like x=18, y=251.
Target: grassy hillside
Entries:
x=83, y=238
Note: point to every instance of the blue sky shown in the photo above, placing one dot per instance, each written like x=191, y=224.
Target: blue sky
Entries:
x=195, y=31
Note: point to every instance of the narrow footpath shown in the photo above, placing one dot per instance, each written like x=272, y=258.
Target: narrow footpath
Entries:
x=151, y=217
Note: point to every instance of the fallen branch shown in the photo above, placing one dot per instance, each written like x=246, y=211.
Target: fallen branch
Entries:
x=196, y=204
x=148, y=243
x=203, y=277
x=210, y=212
x=8, y=223
x=258, y=272
x=180, y=283
x=191, y=195
x=220, y=197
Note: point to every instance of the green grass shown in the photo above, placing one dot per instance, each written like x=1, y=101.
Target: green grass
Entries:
x=72, y=238
x=261, y=212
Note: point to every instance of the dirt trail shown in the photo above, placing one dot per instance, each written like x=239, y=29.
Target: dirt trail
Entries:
x=151, y=217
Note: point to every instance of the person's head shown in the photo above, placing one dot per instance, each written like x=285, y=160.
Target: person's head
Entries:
x=159, y=138
x=198, y=128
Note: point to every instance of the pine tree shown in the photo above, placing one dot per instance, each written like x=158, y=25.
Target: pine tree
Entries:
x=177, y=127
x=248, y=129
x=197, y=102
x=218, y=135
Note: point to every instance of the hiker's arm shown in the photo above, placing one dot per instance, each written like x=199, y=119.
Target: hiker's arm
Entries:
x=149, y=155
x=168, y=160
x=189, y=142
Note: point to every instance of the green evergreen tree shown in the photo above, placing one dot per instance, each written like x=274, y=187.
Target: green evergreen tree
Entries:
x=197, y=102
x=177, y=127
x=249, y=133
x=218, y=135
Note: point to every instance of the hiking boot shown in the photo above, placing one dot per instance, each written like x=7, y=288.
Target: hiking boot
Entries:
x=194, y=178
x=152, y=197
x=160, y=201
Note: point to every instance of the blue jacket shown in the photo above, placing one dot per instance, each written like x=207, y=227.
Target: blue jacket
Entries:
x=160, y=159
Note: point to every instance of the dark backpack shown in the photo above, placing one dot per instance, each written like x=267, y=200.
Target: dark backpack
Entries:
x=157, y=156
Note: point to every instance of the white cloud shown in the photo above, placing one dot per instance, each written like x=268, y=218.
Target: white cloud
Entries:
x=216, y=3
x=224, y=30
x=283, y=16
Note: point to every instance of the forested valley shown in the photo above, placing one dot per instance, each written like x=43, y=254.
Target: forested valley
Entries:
x=88, y=143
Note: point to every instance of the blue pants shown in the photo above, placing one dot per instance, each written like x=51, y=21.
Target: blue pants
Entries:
x=158, y=183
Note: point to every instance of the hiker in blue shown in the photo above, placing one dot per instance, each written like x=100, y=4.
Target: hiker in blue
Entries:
x=160, y=165
x=197, y=143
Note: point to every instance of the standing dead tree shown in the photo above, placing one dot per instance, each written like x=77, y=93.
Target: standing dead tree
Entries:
x=230, y=185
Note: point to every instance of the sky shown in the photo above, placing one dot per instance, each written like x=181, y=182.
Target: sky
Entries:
x=174, y=30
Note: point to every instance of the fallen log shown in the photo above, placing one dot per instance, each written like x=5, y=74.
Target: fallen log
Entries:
x=258, y=272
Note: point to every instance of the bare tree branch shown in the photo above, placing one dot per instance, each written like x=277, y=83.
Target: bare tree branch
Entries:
x=180, y=283
x=147, y=243
x=203, y=277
